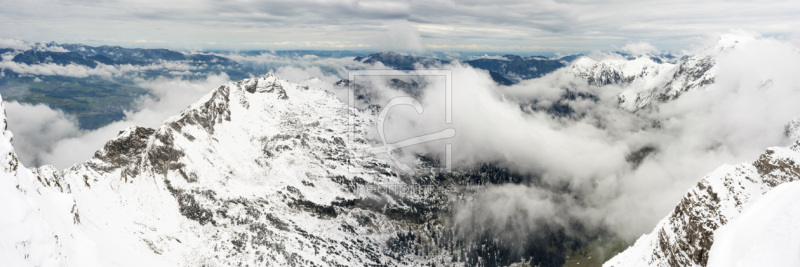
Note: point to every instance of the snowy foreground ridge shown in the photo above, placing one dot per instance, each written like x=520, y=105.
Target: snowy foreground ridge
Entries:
x=742, y=215
x=246, y=176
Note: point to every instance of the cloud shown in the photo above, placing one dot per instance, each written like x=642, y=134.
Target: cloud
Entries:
x=513, y=212
x=640, y=48
x=51, y=69
x=37, y=128
x=50, y=47
x=14, y=44
x=401, y=36
x=142, y=41
x=566, y=26
x=101, y=70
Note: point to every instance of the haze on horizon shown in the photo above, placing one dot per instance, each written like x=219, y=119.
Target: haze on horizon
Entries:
x=509, y=25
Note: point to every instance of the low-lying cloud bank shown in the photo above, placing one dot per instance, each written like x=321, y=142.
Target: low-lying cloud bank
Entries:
x=101, y=70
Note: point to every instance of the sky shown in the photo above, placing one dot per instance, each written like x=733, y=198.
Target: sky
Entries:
x=413, y=25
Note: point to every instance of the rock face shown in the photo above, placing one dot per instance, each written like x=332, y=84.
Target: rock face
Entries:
x=685, y=237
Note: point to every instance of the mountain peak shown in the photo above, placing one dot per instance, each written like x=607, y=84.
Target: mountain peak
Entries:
x=733, y=40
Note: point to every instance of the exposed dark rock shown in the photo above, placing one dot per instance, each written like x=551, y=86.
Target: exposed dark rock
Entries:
x=323, y=211
x=214, y=111
x=164, y=156
x=125, y=151
x=635, y=158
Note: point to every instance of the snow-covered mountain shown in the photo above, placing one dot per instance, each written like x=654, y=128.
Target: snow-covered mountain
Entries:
x=689, y=233
x=617, y=70
x=647, y=79
x=258, y=172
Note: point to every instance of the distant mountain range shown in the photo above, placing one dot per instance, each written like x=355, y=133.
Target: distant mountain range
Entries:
x=115, y=55
x=505, y=70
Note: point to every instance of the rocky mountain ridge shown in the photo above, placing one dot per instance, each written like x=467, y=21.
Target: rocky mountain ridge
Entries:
x=686, y=235
x=649, y=79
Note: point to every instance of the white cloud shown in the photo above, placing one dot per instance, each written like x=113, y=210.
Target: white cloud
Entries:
x=50, y=47
x=514, y=212
x=37, y=128
x=640, y=48
x=400, y=36
x=14, y=44
x=102, y=70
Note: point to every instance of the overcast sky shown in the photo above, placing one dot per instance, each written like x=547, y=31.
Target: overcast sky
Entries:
x=502, y=25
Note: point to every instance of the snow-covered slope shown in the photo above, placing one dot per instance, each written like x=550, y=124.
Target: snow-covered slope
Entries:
x=766, y=233
x=258, y=172
x=686, y=235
